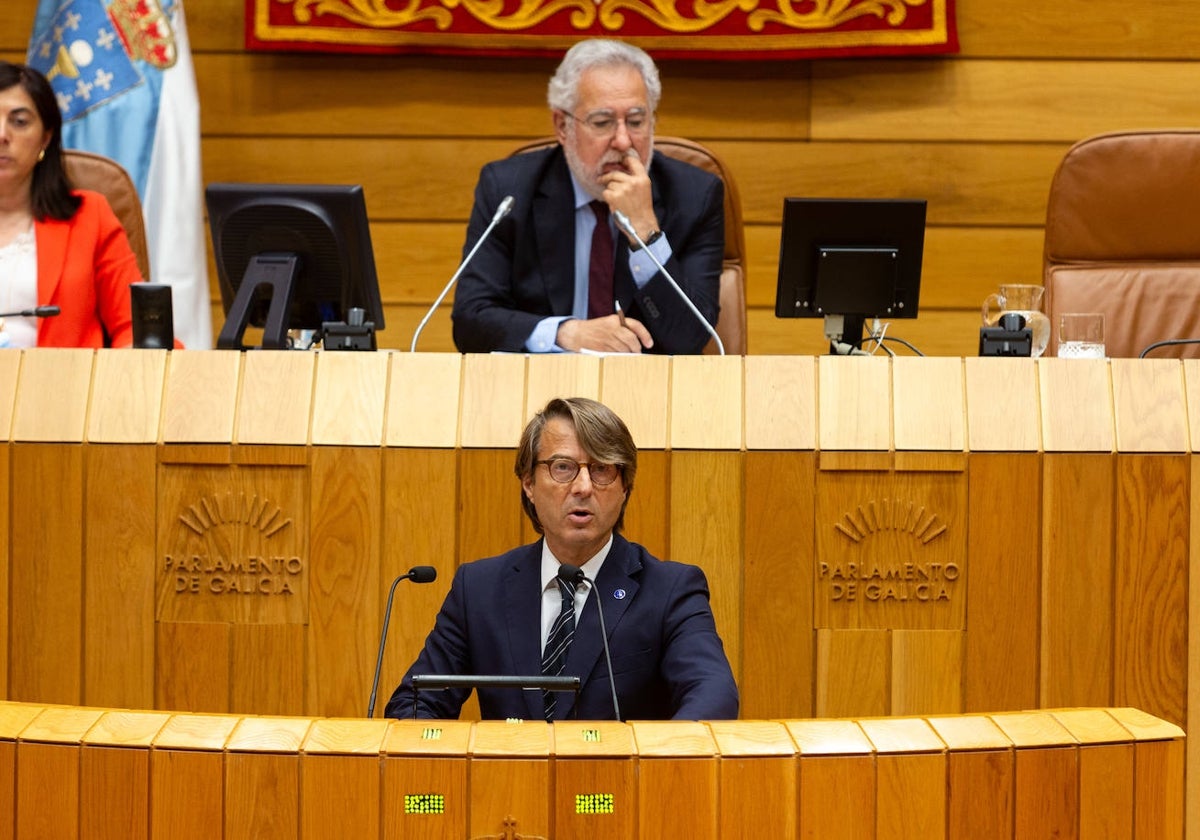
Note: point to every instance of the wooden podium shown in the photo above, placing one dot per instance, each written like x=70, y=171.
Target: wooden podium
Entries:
x=215, y=532
x=101, y=773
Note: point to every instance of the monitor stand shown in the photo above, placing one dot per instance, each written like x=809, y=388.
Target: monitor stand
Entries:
x=272, y=276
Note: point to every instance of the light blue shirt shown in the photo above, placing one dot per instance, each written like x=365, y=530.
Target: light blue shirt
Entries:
x=641, y=265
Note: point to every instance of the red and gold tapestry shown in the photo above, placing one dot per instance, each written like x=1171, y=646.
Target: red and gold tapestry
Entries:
x=667, y=28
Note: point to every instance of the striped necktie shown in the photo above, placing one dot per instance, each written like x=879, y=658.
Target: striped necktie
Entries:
x=557, y=643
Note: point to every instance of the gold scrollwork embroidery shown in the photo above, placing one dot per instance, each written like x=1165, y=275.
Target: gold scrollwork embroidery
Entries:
x=665, y=15
x=372, y=13
x=529, y=14
x=829, y=14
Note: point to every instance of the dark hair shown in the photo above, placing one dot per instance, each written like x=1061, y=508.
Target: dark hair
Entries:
x=51, y=194
x=602, y=434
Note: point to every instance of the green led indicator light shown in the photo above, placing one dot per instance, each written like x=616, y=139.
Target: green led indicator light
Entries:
x=431, y=733
x=591, y=735
x=594, y=803
x=424, y=803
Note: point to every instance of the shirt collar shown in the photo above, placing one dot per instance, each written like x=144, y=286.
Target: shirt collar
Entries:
x=591, y=568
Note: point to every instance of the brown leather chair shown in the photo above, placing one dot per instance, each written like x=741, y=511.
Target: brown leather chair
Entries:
x=90, y=171
x=731, y=321
x=1121, y=239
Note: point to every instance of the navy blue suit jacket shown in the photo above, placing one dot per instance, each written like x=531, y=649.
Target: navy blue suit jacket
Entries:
x=525, y=271
x=667, y=659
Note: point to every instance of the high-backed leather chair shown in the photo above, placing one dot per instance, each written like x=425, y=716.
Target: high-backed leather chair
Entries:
x=731, y=321
x=1123, y=238
x=90, y=171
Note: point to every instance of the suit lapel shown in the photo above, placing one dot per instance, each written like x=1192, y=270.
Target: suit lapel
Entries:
x=52, y=236
x=615, y=588
x=523, y=618
x=554, y=227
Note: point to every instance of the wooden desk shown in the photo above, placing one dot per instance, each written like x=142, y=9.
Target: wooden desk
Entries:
x=216, y=532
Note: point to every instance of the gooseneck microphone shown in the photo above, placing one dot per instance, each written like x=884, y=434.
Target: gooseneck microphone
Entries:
x=36, y=312
x=627, y=226
x=575, y=575
x=503, y=210
x=417, y=574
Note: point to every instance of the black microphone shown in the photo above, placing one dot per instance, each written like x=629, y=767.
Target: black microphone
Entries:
x=417, y=574
x=503, y=210
x=36, y=312
x=575, y=575
x=627, y=226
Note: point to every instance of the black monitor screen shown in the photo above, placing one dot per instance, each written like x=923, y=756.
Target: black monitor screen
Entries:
x=859, y=258
x=309, y=243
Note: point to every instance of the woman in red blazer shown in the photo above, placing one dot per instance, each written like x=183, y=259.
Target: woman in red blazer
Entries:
x=58, y=246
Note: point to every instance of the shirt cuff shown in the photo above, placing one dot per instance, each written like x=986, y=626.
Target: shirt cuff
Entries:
x=544, y=337
x=642, y=266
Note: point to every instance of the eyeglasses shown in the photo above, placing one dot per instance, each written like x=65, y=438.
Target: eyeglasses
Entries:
x=564, y=470
x=604, y=123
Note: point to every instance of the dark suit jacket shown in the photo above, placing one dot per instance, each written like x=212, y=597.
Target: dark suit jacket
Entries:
x=526, y=269
x=667, y=659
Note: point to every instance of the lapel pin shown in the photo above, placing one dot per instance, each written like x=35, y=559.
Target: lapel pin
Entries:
x=619, y=594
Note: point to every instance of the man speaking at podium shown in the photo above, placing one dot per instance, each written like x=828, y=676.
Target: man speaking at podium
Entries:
x=515, y=615
x=552, y=276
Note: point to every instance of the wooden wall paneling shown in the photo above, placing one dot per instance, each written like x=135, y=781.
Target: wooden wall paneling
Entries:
x=192, y=666
x=187, y=769
x=1001, y=666
x=629, y=385
x=673, y=756
x=1151, y=586
x=595, y=790
x=780, y=402
x=1047, y=775
x=831, y=777
x=127, y=396
x=648, y=509
x=344, y=576
x=424, y=786
x=493, y=401
x=14, y=717
x=928, y=405
x=1077, y=410
x=551, y=375
x=776, y=679
x=927, y=671
x=52, y=396
x=508, y=777
x=980, y=778
x=756, y=766
x=200, y=402
x=1160, y=810
x=1149, y=405
x=998, y=100
x=275, y=400
x=349, y=398
x=262, y=778
x=119, y=567
x=855, y=404
x=1077, y=615
x=1192, y=779
x=423, y=400
x=852, y=673
x=336, y=757
x=708, y=387
x=707, y=506
x=420, y=525
x=278, y=689
x=490, y=518
x=46, y=574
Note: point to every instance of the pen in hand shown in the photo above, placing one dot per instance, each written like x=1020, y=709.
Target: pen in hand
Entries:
x=620, y=311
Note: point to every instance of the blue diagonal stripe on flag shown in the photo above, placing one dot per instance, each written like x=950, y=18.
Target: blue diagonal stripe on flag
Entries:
x=122, y=71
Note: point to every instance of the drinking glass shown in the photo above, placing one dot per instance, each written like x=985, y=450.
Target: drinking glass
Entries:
x=1081, y=335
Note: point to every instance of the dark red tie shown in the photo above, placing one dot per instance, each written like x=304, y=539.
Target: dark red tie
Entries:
x=600, y=265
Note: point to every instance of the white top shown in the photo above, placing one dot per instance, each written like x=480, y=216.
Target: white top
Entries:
x=18, y=289
x=552, y=596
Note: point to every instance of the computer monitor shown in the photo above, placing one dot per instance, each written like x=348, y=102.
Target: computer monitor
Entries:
x=292, y=257
x=849, y=259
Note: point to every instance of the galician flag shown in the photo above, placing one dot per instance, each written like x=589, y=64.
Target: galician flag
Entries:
x=122, y=71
